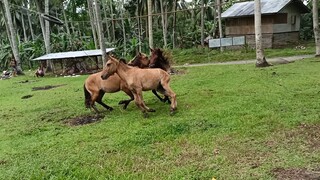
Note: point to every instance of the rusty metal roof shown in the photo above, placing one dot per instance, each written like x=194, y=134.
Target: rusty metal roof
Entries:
x=267, y=7
x=72, y=54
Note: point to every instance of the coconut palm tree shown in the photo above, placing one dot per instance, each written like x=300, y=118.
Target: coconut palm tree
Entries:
x=150, y=23
x=315, y=17
x=12, y=35
x=261, y=60
x=100, y=31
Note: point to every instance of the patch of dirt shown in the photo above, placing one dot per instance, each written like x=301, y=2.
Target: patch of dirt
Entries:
x=82, y=120
x=295, y=173
x=26, y=96
x=46, y=87
x=26, y=81
x=308, y=132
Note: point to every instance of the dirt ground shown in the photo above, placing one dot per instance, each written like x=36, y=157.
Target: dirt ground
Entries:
x=46, y=87
x=83, y=120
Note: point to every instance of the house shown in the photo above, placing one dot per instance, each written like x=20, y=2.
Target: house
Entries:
x=280, y=21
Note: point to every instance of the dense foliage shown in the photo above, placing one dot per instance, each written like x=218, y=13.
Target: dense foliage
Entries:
x=182, y=23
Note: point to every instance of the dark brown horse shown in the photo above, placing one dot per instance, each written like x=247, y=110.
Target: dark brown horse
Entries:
x=159, y=60
x=140, y=60
x=138, y=80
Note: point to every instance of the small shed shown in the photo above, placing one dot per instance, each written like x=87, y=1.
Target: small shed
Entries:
x=74, y=61
x=280, y=21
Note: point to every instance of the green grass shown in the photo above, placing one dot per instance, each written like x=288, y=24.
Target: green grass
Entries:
x=205, y=55
x=233, y=122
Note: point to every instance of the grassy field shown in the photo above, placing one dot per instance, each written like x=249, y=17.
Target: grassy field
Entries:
x=206, y=55
x=233, y=122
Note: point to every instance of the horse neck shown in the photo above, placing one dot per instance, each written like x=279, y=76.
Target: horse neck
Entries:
x=122, y=70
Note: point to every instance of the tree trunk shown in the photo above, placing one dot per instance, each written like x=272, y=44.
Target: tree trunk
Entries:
x=6, y=24
x=92, y=23
x=106, y=19
x=202, y=23
x=315, y=17
x=150, y=23
x=174, y=24
x=164, y=26
x=25, y=37
x=66, y=22
x=41, y=21
x=123, y=29
x=47, y=36
x=27, y=5
x=100, y=32
x=261, y=60
x=219, y=22
x=12, y=34
x=112, y=22
x=139, y=28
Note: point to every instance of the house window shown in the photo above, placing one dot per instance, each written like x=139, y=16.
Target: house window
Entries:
x=281, y=18
x=293, y=19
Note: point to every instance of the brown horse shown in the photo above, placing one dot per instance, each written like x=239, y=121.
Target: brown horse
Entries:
x=139, y=80
x=140, y=60
x=95, y=88
x=157, y=60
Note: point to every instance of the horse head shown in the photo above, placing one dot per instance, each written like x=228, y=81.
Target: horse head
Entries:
x=157, y=60
x=110, y=68
x=140, y=60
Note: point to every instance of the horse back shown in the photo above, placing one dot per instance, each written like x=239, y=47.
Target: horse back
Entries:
x=94, y=83
x=148, y=79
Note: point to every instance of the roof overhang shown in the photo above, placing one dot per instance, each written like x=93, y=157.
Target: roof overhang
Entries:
x=245, y=9
x=72, y=54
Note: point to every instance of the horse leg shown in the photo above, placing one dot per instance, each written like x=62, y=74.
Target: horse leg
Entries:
x=126, y=102
x=166, y=98
x=170, y=93
x=161, y=90
x=90, y=99
x=139, y=102
x=99, y=100
x=93, y=99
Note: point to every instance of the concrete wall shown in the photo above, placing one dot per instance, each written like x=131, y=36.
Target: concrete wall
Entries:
x=284, y=39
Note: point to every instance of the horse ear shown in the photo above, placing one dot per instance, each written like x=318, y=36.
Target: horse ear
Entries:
x=139, y=53
x=151, y=49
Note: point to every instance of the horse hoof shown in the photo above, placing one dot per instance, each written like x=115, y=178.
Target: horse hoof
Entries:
x=110, y=109
x=172, y=112
x=151, y=110
x=121, y=102
x=145, y=115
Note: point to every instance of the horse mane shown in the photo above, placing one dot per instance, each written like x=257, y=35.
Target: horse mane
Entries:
x=164, y=57
x=133, y=61
x=123, y=60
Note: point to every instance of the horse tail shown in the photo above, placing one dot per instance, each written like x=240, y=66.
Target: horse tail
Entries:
x=87, y=97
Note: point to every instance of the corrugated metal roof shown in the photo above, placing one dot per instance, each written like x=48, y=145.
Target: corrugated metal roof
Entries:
x=72, y=54
x=267, y=7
